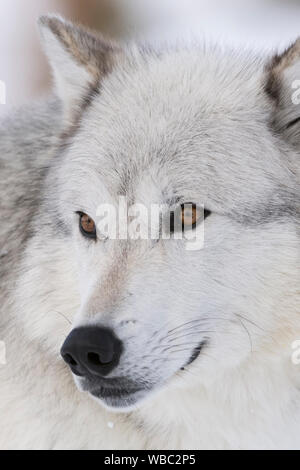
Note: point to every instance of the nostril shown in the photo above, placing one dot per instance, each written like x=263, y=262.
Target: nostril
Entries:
x=69, y=360
x=95, y=360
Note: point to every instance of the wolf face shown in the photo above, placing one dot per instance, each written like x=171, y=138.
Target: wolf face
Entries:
x=169, y=127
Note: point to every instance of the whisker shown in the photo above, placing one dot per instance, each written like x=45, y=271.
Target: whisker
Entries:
x=185, y=324
x=248, y=334
x=197, y=333
x=64, y=316
x=250, y=321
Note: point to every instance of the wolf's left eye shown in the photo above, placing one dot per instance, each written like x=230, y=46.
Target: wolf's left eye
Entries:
x=87, y=226
x=191, y=214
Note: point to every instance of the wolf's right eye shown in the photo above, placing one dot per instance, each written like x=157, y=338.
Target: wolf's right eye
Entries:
x=87, y=226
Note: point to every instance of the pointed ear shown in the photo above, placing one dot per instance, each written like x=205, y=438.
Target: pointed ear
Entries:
x=283, y=86
x=78, y=59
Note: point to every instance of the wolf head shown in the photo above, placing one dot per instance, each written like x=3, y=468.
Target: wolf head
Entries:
x=184, y=124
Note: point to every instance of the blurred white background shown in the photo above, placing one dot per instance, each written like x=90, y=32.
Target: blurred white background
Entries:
x=257, y=24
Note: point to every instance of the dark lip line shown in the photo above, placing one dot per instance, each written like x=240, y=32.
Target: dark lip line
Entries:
x=196, y=353
x=103, y=392
x=119, y=393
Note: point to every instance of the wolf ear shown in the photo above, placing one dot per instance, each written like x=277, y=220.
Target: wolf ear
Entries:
x=78, y=58
x=283, y=86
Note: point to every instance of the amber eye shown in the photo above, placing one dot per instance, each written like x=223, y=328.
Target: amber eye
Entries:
x=87, y=226
x=191, y=214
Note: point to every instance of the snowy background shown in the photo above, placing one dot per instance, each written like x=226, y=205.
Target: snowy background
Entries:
x=257, y=24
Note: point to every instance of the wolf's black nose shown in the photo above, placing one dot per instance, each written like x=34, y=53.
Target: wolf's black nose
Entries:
x=91, y=351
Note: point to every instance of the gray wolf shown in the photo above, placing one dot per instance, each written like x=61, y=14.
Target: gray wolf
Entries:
x=168, y=348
